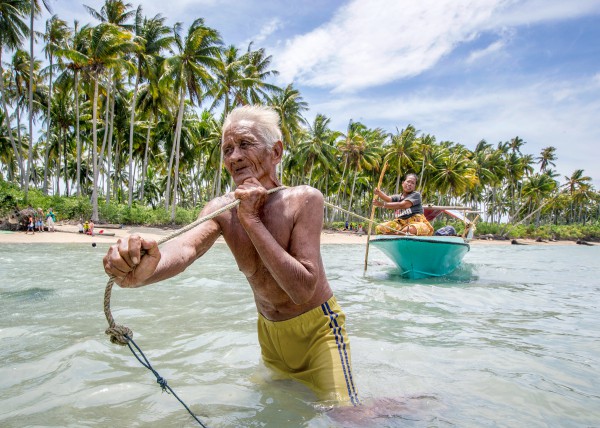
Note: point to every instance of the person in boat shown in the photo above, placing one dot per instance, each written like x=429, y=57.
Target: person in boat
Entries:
x=275, y=239
x=408, y=211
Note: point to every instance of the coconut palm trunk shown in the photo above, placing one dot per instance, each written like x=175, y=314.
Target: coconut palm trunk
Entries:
x=177, y=150
x=77, y=136
x=131, y=127
x=13, y=143
x=95, y=165
x=145, y=161
x=48, y=121
x=30, y=101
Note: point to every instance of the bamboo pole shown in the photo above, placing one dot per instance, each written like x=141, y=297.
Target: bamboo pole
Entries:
x=373, y=216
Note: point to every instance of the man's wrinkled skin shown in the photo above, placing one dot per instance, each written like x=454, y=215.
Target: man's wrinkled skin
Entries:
x=274, y=238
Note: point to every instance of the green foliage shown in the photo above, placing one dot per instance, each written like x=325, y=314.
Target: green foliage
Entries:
x=489, y=228
x=11, y=198
x=590, y=232
x=65, y=207
x=142, y=215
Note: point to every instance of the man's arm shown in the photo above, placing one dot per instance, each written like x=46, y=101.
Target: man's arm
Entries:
x=135, y=261
x=297, y=270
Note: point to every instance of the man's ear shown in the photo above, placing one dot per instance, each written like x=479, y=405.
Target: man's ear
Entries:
x=277, y=151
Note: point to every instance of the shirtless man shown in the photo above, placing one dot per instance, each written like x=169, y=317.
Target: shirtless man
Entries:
x=275, y=240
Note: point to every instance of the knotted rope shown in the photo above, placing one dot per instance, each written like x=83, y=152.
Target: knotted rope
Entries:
x=119, y=333
x=123, y=335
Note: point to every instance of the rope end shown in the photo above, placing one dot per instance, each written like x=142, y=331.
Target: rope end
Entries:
x=119, y=334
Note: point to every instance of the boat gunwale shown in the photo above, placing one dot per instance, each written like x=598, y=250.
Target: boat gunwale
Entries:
x=388, y=238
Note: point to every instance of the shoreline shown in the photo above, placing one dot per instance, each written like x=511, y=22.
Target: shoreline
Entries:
x=68, y=234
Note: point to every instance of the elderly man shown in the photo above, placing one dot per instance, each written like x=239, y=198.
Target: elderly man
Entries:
x=275, y=240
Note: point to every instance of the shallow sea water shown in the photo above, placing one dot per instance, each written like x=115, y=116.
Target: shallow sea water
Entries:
x=510, y=339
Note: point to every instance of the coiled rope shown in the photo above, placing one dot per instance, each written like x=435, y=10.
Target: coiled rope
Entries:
x=123, y=335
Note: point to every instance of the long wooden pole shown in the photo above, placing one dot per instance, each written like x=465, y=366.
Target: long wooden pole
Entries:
x=373, y=216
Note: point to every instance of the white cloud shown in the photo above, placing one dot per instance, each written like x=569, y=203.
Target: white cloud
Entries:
x=370, y=42
x=373, y=42
x=491, y=49
x=272, y=26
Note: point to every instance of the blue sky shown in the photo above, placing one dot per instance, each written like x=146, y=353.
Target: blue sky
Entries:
x=461, y=70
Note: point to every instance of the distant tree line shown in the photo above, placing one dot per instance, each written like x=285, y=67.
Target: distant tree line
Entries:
x=130, y=111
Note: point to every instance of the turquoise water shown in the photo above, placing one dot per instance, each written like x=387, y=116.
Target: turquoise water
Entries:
x=511, y=339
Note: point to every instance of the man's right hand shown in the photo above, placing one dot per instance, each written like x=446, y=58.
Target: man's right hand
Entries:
x=132, y=260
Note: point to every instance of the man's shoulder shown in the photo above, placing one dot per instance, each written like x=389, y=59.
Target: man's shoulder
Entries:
x=304, y=191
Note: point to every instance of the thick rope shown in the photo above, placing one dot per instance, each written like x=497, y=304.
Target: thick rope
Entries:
x=375, y=223
x=123, y=335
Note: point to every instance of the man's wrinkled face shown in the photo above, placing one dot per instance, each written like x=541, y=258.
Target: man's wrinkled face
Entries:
x=244, y=154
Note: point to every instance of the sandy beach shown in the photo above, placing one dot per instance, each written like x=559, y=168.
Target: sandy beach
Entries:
x=67, y=233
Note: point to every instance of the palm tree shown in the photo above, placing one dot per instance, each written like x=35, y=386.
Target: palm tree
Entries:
x=576, y=180
x=425, y=144
x=401, y=152
x=515, y=144
x=107, y=45
x=453, y=173
x=33, y=10
x=290, y=106
x=189, y=71
x=535, y=189
x=151, y=36
x=489, y=169
x=12, y=31
x=256, y=72
x=57, y=33
x=74, y=52
x=547, y=157
x=227, y=89
x=7, y=156
x=114, y=12
x=318, y=147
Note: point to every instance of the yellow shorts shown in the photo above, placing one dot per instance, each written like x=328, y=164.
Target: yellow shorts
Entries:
x=418, y=221
x=314, y=349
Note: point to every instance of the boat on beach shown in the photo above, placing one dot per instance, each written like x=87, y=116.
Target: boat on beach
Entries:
x=428, y=256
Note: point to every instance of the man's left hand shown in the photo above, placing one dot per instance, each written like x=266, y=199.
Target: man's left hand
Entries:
x=252, y=196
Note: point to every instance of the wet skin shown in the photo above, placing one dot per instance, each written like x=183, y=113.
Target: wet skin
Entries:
x=274, y=238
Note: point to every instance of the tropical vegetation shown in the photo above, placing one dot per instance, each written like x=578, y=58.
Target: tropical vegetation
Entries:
x=128, y=115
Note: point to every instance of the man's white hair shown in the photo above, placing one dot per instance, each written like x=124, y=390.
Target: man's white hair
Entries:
x=265, y=119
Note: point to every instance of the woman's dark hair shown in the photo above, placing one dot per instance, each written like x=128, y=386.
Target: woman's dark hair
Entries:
x=409, y=174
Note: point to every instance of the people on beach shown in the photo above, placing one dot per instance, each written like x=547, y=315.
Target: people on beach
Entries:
x=50, y=220
x=80, y=226
x=275, y=239
x=90, y=228
x=86, y=227
x=408, y=210
x=30, y=226
x=39, y=220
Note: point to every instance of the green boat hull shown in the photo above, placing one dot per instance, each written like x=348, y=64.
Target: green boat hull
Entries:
x=423, y=256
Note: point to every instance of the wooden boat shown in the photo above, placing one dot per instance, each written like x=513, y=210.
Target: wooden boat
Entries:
x=427, y=256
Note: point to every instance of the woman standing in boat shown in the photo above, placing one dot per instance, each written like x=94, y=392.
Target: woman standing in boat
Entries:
x=409, y=217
